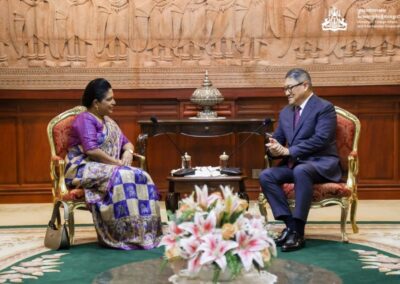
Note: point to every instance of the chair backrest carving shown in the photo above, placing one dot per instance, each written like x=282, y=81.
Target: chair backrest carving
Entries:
x=59, y=129
x=347, y=135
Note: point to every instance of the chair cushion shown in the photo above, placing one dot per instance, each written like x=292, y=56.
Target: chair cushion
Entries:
x=321, y=191
x=61, y=133
x=345, y=132
x=77, y=194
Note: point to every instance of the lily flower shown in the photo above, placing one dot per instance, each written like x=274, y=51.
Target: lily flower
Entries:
x=232, y=201
x=257, y=224
x=219, y=211
x=207, y=229
x=190, y=246
x=194, y=265
x=203, y=199
x=190, y=251
x=189, y=202
x=249, y=249
x=170, y=240
x=243, y=224
x=200, y=226
x=214, y=249
x=202, y=195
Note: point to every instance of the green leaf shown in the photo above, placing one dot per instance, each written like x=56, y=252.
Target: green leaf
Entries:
x=186, y=216
x=171, y=216
x=163, y=264
x=216, y=273
x=235, y=216
x=212, y=206
x=225, y=219
x=234, y=264
x=267, y=264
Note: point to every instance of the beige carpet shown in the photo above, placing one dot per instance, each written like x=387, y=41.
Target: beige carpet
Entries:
x=19, y=238
x=39, y=214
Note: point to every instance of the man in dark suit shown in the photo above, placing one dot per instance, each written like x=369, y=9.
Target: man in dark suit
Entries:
x=305, y=139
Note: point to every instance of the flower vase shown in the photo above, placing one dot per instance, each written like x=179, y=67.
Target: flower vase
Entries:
x=177, y=265
x=204, y=276
x=207, y=273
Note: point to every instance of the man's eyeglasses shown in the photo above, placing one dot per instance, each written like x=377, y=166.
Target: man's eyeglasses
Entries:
x=290, y=88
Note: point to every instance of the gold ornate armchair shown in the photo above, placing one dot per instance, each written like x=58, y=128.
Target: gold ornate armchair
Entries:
x=343, y=193
x=58, y=132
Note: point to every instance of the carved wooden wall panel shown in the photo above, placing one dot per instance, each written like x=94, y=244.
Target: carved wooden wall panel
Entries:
x=163, y=108
x=33, y=161
x=9, y=151
x=382, y=154
x=62, y=44
x=24, y=167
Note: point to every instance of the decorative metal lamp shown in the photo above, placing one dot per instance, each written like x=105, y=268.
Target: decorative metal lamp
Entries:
x=207, y=96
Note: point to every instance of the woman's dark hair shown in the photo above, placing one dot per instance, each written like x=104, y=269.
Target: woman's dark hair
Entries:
x=96, y=89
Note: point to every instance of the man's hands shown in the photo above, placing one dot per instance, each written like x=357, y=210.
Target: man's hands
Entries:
x=276, y=149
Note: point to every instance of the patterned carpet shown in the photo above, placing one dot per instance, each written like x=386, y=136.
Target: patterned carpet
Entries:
x=19, y=243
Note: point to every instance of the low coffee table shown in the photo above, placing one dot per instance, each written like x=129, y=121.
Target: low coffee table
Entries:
x=178, y=185
x=149, y=272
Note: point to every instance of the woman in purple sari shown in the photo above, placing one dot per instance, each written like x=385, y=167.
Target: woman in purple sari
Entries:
x=122, y=199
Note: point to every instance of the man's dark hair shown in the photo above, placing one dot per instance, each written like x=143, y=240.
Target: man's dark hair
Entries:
x=300, y=75
x=96, y=89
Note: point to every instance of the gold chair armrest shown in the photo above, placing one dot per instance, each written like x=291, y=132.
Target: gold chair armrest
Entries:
x=141, y=159
x=57, y=167
x=267, y=162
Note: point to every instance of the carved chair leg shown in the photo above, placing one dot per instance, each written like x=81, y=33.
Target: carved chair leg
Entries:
x=262, y=206
x=244, y=195
x=171, y=202
x=242, y=192
x=343, y=219
x=71, y=223
x=353, y=215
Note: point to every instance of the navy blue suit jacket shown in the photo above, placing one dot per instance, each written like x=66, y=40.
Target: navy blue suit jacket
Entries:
x=314, y=138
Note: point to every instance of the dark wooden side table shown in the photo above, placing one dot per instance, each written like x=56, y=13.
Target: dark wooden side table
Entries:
x=200, y=128
x=203, y=128
x=178, y=185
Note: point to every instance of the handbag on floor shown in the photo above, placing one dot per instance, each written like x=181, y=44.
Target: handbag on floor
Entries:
x=57, y=236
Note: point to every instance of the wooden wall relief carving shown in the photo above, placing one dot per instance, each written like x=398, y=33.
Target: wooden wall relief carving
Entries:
x=155, y=36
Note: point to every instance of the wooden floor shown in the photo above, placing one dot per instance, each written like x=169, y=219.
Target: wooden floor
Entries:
x=39, y=214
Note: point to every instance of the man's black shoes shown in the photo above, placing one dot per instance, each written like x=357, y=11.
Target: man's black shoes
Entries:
x=281, y=239
x=289, y=240
x=293, y=242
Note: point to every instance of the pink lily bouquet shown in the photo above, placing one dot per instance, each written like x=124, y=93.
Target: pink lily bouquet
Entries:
x=214, y=231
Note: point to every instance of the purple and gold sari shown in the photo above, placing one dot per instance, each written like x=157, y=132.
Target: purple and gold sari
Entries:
x=123, y=199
